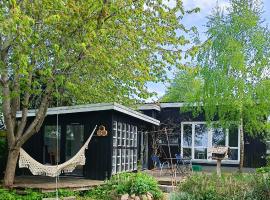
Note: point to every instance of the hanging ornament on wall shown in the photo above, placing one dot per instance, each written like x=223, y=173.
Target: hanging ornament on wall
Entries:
x=102, y=131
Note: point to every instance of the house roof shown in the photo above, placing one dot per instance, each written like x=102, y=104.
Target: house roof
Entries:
x=150, y=106
x=159, y=106
x=94, y=107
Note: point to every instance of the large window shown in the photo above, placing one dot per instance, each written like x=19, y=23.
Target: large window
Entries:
x=197, y=138
x=124, y=147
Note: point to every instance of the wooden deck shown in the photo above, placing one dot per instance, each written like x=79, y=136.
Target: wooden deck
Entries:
x=48, y=184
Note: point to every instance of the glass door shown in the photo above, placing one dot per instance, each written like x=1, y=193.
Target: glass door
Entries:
x=51, y=153
x=74, y=142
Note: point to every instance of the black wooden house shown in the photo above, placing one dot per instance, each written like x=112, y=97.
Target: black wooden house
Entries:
x=130, y=138
x=106, y=155
x=192, y=137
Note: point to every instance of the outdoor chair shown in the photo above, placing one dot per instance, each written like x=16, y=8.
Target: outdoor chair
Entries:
x=160, y=165
x=183, y=165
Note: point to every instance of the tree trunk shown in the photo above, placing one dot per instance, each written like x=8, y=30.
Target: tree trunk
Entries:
x=242, y=146
x=13, y=155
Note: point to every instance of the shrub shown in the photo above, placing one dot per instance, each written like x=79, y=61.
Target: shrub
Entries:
x=263, y=170
x=235, y=186
x=126, y=183
x=260, y=187
x=32, y=195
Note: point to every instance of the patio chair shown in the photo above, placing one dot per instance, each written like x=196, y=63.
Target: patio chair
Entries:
x=183, y=165
x=160, y=165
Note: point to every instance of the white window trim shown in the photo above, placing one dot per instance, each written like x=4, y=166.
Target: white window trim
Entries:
x=126, y=138
x=210, y=135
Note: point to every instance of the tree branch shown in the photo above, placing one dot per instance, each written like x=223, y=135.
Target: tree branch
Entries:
x=37, y=122
x=25, y=105
x=7, y=111
x=15, y=100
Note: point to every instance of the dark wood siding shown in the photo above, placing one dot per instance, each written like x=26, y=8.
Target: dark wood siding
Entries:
x=99, y=153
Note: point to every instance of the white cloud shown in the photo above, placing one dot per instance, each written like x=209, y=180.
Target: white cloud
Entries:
x=206, y=6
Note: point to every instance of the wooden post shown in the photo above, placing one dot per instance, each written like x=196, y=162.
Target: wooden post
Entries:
x=219, y=167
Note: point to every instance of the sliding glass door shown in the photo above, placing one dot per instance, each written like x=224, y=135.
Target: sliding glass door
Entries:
x=51, y=146
x=74, y=142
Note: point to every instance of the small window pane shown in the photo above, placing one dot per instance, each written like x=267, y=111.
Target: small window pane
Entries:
x=123, y=159
x=124, y=135
x=218, y=138
x=200, y=153
x=186, y=152
x=187, y=135
x=201, y=135
x=128, y=135
x=119, y=134
x=233, y=136
x=233, y=154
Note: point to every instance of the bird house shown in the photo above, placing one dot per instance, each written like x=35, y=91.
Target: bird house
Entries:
x=219, y=152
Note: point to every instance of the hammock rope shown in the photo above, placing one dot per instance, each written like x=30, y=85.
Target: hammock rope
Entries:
x=36, y=168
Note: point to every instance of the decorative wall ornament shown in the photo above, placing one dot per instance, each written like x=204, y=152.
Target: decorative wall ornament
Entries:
x=102, y=131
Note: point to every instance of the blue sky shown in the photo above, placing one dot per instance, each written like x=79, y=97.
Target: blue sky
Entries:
x=199, y=20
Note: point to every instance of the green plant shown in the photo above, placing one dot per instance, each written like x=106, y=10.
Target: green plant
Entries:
x=268, y=161
x=207, y=187
x=126, y=183
x=260, y=187
x=233, y=186
x=263, y=169
x=33, y=195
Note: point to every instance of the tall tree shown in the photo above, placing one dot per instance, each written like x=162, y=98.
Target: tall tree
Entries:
x=232, y=73
x=88, y=50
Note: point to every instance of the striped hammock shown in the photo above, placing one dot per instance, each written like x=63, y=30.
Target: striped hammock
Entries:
x=36, y=168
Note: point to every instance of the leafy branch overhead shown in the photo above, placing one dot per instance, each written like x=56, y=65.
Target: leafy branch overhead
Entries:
x=90, y=47
x=230, y=73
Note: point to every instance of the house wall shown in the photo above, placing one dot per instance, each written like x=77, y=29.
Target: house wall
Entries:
x=98, y=154
x=173, y=119
x=100, y=149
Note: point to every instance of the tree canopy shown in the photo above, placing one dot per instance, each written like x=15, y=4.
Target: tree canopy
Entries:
x=81, y=51
x=96, y=50
x=231, y=75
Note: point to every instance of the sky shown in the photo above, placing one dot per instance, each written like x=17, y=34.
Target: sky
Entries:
x=199, y=20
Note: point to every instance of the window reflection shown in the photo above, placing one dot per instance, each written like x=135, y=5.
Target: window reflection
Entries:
x=218, y=138
x=187, y=135
x=201, y=135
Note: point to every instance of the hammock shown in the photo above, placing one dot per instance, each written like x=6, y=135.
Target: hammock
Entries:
x=36, y=168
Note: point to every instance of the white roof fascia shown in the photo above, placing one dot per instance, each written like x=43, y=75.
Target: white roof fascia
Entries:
x=136, y=114
x=178, y=105
x=94, y=107
x=171, y=105
x=149, y=107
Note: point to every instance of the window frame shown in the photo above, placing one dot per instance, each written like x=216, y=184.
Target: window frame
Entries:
x=209, y=143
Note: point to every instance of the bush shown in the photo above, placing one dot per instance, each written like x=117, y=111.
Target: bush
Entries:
x=235, y=186
x=32, y=195
x=126, y=183
x=263, y=170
